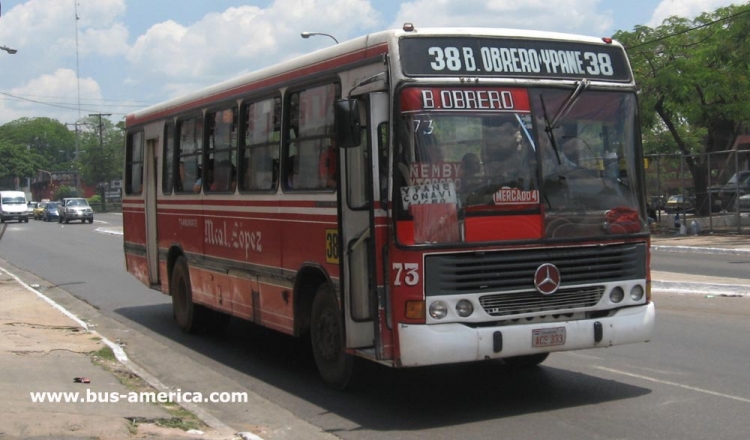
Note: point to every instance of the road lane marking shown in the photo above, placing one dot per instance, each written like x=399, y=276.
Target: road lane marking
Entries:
x=675, y=384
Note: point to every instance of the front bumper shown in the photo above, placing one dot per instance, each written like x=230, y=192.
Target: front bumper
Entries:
x=453, y=342
x=15, y=216
x=78, y=215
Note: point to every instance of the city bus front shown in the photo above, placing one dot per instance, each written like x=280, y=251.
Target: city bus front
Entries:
x=519, y=221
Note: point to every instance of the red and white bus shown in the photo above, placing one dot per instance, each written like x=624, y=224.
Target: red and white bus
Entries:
x=413, y=197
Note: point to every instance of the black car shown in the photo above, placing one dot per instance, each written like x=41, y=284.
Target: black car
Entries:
x=49, y=214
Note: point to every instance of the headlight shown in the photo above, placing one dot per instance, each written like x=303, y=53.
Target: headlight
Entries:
x=617, y=294
x=636, y=293
x=464, y=308
x=438, y=310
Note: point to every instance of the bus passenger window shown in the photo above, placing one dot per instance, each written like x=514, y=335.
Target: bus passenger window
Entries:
x=309, y=149
x=259, y=167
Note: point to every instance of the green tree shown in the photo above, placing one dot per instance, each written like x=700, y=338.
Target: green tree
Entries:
x=51, y=141
x=101, y=151
x=695, y=83
x=18, y=162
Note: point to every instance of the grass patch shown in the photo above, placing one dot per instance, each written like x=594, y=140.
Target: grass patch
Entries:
x=105, y=353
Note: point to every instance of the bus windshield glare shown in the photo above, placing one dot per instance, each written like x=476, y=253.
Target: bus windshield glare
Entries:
x=479, y=165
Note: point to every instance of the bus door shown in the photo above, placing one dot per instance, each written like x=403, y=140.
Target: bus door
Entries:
x=357, y=227
x=152, y=243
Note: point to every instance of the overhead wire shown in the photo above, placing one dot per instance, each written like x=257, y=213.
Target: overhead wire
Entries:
x=684, y=31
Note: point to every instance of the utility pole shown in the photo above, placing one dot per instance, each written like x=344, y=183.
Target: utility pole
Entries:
x=75, y=159
x=102, y=184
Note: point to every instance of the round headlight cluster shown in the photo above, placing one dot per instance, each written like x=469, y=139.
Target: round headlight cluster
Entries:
x=636, y=293
x=617, y=294
x=438, y=310
x=464, y=308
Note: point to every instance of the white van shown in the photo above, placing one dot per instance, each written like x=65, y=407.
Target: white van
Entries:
x=13, y=206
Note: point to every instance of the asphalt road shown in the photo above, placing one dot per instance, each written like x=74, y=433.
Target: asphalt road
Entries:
x=690, y=382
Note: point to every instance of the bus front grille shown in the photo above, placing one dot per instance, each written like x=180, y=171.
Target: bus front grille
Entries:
x=506, y=271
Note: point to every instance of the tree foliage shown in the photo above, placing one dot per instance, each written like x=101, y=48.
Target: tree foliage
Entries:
x=695, y=84
x=31, y=144
x=101, y=151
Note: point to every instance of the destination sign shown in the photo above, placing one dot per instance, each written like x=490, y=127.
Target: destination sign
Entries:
x=464, y=99
x=513, y=58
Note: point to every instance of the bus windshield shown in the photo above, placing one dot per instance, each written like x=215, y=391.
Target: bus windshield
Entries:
x=488, y=165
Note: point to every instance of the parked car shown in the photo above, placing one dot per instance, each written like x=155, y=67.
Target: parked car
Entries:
x=38, y=209
x=658, y=202
x=74, y=208
x=726, y=196
x=744, y=202
x=676, y=204
x=49, y=213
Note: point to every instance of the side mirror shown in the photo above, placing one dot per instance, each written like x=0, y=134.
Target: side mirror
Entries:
x=348, y=126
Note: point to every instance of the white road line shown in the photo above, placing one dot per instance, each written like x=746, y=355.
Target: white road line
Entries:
x=675, y=384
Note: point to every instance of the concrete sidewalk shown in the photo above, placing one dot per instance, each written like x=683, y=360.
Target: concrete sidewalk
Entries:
x=44, y=349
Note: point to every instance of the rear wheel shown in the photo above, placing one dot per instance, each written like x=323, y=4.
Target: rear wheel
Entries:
x=530, y=360
x=327, y=338
x=186, y=314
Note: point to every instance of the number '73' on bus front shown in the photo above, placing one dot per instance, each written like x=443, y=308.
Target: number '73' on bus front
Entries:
x=411, y=275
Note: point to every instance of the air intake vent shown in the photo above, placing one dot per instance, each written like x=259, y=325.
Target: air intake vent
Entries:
x=509, y=271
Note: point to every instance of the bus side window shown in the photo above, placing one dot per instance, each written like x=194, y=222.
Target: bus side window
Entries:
x=310, y=139
x=134, y=166
x=260, y=150
x=189, y=150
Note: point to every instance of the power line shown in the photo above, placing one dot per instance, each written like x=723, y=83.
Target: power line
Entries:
x=689, y=30
x=90, y=99
x=46, y=103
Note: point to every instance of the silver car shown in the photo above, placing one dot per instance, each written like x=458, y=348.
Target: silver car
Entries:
x=76, y=208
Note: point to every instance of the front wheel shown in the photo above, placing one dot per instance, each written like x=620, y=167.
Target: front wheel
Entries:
x=186, y=314
x=327, y=338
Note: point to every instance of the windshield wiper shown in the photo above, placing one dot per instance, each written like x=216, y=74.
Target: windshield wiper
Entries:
x=561, y=113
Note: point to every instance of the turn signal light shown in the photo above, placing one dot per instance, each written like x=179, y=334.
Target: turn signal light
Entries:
x=415, y=309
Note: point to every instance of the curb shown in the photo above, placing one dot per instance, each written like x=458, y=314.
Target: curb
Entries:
x=700, y=250
x=728, y=290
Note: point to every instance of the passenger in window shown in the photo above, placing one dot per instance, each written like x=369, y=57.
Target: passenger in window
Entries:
x=291, y=176
x=327, y=167
x=225, y=177
x=199, y=181
x=506, y=158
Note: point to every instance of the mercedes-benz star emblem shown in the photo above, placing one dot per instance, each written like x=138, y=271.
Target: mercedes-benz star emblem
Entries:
x=547, y=279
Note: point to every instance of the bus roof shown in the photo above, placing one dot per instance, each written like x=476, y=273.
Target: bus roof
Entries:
x=331, y=59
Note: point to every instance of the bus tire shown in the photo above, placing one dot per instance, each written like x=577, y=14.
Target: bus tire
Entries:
x=327, y=338
x=530, y=360
x=185, y=312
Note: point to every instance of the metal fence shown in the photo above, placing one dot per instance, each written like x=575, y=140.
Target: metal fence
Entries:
x=703, y=192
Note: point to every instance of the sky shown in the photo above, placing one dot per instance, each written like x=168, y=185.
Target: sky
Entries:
x=122, y=55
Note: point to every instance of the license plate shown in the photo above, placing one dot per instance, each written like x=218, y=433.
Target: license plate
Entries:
x=548, y=337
